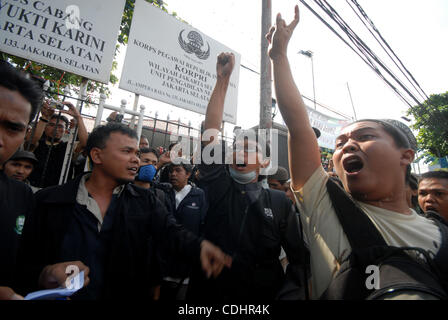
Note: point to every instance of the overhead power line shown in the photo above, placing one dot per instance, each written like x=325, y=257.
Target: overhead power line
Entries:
x=382, y=41
x=357, y=45
x=319, y=104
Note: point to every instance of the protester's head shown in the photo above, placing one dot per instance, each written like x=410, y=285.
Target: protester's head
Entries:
x=144, y=142
x=277, y=180
x=113, y=151
x=20, y=165
x=20, y=98
x=148, y=156
x=55, y=128
x=433, y=192
x=179, y=174
x=250, y=152
x=372, y=158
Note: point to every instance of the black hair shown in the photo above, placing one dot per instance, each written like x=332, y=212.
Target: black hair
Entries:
x=144, y=137
x=16, y=80
x=99, y=136
x=435, y=175
x=150, y=150
x=187, y=166
x=60, y=117
x=413, y=181
x=172, y=145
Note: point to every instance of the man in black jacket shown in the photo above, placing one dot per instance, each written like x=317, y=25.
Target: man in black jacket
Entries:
x=247, y=221
x=19, y=100
x=188, y=205
x=106, y=226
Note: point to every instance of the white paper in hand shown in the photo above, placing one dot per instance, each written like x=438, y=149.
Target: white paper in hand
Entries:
x=75, y=284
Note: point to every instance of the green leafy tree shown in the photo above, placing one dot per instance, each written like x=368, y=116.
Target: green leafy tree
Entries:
x=431, y=122
x=60, y=79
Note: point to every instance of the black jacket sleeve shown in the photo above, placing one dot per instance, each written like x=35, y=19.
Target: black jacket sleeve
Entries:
x=172, y=236
x=297, y=253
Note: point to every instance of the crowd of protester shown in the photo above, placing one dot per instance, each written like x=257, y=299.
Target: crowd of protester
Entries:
x=152, y=222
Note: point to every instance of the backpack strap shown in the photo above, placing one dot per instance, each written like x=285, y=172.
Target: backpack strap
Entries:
x=437, y=217
x=360, y=231
x=441, y=258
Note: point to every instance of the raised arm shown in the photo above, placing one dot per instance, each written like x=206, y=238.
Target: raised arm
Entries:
x=82, y=131
x=215, y=108
x=33, y=136
x=304, y=155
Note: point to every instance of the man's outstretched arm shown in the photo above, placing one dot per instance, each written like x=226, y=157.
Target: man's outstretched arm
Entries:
x=304, y=155
x=215, y=108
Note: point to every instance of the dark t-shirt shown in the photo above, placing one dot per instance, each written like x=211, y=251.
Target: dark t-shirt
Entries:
x=54, y=165
x=16, y=201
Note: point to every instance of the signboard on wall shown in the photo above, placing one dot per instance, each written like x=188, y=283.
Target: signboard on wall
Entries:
x=76, y=36
x=170, y=61
x=329, y=127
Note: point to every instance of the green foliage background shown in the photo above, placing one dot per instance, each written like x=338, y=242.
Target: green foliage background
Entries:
x=431, y=122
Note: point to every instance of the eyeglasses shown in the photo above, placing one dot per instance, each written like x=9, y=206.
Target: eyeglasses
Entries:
x=59, y=126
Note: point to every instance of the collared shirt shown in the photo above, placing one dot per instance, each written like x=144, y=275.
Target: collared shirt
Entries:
x=181, y=194
x=83, y=198
x=33, y=188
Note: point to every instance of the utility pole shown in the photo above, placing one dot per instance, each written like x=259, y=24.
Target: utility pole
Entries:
x=310, y=54
x=265, y=69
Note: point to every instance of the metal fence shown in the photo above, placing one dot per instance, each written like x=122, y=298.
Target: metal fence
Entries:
x=159, y=132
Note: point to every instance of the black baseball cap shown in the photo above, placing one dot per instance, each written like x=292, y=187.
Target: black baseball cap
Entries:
x=24, y=155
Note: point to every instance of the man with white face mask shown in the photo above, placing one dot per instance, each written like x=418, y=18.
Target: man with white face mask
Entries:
x=247, y=221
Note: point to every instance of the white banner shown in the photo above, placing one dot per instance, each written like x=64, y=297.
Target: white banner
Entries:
x=170, y=61
x=77, y=36
x=329, y=127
